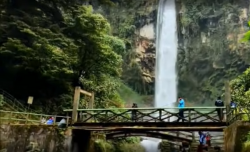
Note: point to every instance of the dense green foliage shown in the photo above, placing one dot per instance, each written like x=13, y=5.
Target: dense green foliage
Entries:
x=210, y=52
x=49, y=47
x=209, y=48
x=126, y=17
x=240, y=89
x=46, y=48
x=240, y=86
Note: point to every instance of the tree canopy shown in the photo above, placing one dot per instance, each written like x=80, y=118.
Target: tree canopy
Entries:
x=48, y=47
x=240, y=86
x=240, y=89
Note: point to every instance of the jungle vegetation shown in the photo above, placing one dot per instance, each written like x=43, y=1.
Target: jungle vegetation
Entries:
x=49, y=47
x=210, y=50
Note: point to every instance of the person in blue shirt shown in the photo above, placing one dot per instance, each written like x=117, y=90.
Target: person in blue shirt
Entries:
x=233, y=104
x=181, y=107
x=50, y=121
x=202, y=141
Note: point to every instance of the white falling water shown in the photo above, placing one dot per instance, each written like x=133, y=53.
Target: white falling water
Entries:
x=151, y=144
x=166, y=56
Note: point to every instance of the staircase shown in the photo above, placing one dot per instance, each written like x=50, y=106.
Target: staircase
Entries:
x=194, y=147
x=10, y=103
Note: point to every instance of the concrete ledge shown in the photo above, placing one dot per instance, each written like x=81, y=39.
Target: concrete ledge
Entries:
x=234, y=136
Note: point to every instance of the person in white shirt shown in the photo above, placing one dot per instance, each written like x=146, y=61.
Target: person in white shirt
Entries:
x=62, y=123
x=43, y=121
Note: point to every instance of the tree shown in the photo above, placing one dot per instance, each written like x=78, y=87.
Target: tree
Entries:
x=240, y=86
x=98, y=52
x=45, y=47
x=240, y=89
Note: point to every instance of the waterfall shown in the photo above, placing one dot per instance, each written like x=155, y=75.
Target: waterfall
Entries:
x=166, y=56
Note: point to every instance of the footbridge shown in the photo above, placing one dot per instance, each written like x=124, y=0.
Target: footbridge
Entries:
x=161, y=135
x=175, y=137
x=152, y=119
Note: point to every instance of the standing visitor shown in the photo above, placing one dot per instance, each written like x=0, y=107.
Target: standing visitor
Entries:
x=181, y=107
x=208, y=139
x=134, y=111
x=202, y=141
x=219, y=103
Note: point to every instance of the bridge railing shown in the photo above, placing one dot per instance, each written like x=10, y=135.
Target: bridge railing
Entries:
x=191, y=114
x=12, y=101
x=238, y=113
x=10, y=117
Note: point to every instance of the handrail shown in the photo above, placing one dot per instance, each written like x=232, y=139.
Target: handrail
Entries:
x=152, y=108
x=26, y=115
x=14, y=102
x=29, y=113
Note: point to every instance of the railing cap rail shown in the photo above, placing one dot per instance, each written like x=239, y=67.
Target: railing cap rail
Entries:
x=34, y=114
x=153, y=108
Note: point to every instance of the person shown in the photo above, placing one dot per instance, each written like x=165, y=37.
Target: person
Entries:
x=208, y=139
x=232, y=104
x=181, y=107
x=62, y=123
x=50, y=121
x=134, y=111
x=202, y=141
x=219, y=103
x=43, y=121
x=185, y=147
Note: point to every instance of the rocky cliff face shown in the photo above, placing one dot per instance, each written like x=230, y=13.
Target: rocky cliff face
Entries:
x=210, y=51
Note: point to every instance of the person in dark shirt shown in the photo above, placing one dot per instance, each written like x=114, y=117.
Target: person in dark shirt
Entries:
x=134, y=111
x=219, y=103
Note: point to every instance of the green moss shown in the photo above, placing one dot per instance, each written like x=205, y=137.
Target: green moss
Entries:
x=204, y=66
x=103, y=146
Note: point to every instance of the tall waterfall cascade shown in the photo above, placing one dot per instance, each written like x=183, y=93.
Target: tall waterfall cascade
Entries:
x=166, y=57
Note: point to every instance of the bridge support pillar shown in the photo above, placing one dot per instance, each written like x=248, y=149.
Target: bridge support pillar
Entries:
x=81, y=140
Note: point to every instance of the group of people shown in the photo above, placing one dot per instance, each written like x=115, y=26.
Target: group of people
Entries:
x=218, y=103
x=51, y=121
x=181, y=105
x=204, y=140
